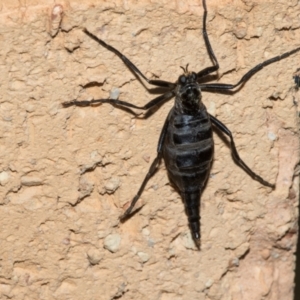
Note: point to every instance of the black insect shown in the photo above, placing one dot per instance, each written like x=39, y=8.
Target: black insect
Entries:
x=186, y=142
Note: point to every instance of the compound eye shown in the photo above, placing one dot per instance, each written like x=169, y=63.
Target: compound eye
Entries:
x=182, y=79
x=194, y=76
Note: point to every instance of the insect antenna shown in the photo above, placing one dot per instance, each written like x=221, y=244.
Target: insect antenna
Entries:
x=185, y=69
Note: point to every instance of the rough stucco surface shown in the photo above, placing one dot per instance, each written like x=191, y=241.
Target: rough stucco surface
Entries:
x=67, y=174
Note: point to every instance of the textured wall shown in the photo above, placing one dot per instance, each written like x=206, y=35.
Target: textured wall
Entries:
x=67, y=174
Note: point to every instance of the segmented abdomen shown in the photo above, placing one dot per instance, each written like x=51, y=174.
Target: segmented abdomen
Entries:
x=188, y=152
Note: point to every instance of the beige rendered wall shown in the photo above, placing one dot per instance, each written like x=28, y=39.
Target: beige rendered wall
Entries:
x=67, y=174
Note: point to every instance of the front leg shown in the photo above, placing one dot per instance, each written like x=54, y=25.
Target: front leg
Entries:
x=129, y=64
x=235, y=154
x=211, y=53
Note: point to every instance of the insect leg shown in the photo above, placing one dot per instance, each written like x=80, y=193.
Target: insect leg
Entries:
x=212, y=56
x=129, y=64
x=249, y=74
x=235, y=154
x=150, y=104
x=296, y=78
x=151, y=171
